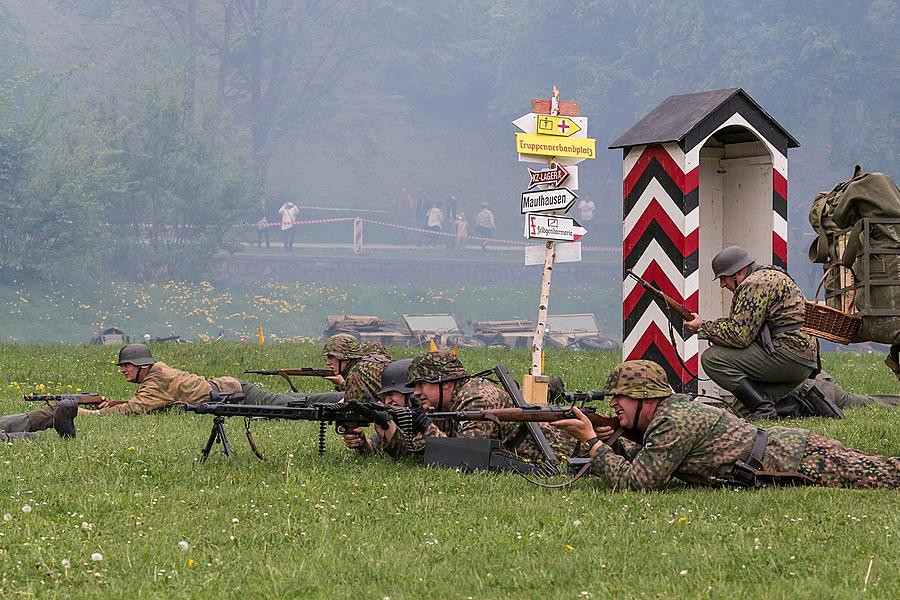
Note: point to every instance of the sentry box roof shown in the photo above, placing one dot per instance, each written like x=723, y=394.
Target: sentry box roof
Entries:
x=690, y=118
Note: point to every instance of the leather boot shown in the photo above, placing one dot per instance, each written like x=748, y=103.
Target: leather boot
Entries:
x=64, y=414
x=755, y=401
x=18, y=435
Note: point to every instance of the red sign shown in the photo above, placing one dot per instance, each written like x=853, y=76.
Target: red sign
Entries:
x=567, y=108
x=554, y=176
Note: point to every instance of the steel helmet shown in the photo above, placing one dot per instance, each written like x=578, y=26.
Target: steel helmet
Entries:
x=729, y=261
x=393, y=377
x=435, y=367
x=638, y=379
x=342, y=346
x=135, y=354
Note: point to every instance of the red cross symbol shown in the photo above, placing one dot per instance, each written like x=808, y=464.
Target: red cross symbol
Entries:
x=563, y=126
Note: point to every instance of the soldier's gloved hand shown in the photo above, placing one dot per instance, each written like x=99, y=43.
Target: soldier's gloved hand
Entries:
x=420, y=420
x=371, y=411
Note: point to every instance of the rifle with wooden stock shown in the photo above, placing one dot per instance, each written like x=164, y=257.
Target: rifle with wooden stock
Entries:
x=680, y=309
x=88, y=399
x=538, y=414
x=288, y=373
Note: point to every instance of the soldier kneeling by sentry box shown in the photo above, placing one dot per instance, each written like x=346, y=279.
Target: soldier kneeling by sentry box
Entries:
x=705, y=445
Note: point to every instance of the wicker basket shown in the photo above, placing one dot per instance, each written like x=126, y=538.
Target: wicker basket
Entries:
x=830, y=323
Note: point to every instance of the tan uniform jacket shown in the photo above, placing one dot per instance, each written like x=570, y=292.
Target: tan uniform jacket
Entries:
x=164, y=386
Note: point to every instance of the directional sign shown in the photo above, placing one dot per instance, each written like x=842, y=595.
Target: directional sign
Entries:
x=576, y=126
x=553, y=177
x=535, y=254
x=544, y=227
x=548, y=145
x=560, y=199
x=560, y=126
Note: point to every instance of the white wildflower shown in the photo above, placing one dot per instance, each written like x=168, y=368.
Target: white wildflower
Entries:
x=184, y=545
x=96, y=557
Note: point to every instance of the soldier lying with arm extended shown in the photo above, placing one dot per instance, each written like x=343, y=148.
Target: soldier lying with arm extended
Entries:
x=705, y=445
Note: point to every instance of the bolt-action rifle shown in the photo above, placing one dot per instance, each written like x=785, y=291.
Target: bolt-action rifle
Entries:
x=345, y=416
x=680, y=309
x=89, y=399
x=288, y=373
x=537, y=414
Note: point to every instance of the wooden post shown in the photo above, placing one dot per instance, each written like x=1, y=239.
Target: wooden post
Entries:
x=535, y=383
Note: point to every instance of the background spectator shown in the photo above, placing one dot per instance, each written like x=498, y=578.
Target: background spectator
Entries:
x=289, y=213
x=484, y=223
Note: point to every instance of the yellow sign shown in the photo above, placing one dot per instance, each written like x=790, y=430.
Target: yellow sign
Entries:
x=559, y=126
x=547, y=145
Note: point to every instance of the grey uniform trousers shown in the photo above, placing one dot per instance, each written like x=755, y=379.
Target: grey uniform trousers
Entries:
x=775, y=373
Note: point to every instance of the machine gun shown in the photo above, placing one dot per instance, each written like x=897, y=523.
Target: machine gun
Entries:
x=345, y=416
x=88, y=399
x=288, y=373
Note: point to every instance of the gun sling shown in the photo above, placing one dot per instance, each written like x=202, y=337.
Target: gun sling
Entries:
x=766, y=333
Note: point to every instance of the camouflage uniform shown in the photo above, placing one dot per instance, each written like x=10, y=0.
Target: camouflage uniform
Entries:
x=372, y=347
x=363, y=379
x=164, y=386
x=766, y=296
x=473, y=394
x=699, y=443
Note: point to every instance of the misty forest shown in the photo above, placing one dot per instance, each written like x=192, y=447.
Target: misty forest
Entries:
x=142, y=141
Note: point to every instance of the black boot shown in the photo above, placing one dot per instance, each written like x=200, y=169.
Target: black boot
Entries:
x=64, y=414
x=758, y=403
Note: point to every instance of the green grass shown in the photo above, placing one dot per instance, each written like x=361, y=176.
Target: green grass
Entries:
x=302, y=526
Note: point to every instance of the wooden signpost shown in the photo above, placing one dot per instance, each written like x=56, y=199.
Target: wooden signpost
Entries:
x=552, y=133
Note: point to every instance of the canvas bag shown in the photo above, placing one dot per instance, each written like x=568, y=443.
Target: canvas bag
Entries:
x=864, y=195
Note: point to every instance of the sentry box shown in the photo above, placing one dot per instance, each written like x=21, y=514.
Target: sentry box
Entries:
x=702, y=171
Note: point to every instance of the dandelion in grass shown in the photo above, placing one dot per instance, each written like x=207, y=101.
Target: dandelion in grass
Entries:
x=7, y=517
x=96, y=557
x=26, y=509
x=65, y=563
x=87, y=526
x=183, y=545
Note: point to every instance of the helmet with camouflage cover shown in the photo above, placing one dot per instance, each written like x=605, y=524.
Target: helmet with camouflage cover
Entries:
x=435, y=367
x=638, y=379
x=135, y=354
x=729, y=261
x=342, y=346
x=370, y=347
x=393, y=377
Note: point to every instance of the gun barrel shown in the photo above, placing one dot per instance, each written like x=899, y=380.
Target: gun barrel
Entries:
x=526, y=415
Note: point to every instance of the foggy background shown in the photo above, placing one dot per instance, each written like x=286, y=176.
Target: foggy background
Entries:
x=141, y=139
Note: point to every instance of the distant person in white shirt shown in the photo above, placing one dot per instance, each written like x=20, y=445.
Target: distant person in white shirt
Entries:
x=586, y=209
x=289, y=213
x=484, y=224
x=435, y=220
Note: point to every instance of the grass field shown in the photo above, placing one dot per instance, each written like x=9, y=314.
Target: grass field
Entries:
x=337, y=526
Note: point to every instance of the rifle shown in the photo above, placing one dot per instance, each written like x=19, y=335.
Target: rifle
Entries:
x=84, y=399
x=680, y=309
x=288, y=373
x=537, y=414
x=345, y=416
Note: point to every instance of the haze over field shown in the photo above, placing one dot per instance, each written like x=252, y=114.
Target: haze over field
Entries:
x=134, y=135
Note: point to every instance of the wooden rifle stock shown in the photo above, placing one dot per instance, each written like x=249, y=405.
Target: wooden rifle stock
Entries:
x=301, y=372
x=680, y=309
x=534, y=414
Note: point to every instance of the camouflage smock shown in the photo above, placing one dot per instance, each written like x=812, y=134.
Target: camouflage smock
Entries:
x=694, y=442
x=363, y=379
x=474, y=394
x=767, y=295
x=164, y=385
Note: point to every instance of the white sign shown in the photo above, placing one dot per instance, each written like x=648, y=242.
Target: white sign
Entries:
x=565, y=252
x=529, y=124
x=546, y=227
x=558, y=199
